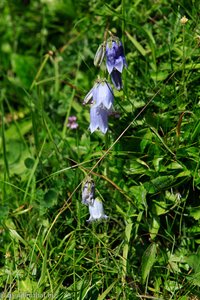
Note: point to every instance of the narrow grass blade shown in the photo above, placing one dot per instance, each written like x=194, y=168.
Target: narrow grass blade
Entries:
x=105, y=293
x=137, y=45
x=128, y=230
x=15, y=235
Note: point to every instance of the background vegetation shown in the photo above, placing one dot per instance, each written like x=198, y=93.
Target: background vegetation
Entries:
x=146, y=168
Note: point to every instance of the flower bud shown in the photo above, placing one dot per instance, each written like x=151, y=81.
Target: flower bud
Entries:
x=88, y=97
x=99, y=56
x=88, y=191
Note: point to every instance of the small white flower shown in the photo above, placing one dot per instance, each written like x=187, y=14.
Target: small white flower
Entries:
x=96, y=211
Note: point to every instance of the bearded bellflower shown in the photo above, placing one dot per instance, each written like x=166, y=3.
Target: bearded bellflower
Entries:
x=88, y=191
x=96, y=211
x=115, y=58
x=101, y=97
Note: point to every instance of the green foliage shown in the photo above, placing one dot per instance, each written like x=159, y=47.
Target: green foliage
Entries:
x=146, y=169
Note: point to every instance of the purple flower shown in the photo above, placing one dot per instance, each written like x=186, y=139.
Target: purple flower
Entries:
x=72, y=122
x=103, y=95
x=98, y=119
x=115, y=58
x=100, y=95
x=116, y=79
x=96, y=211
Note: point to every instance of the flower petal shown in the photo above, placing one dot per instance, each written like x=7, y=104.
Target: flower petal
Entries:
x=98, y=119
x=119, y=64
x=96, y=211
x=115, y=55
x=104, y=95
x=116, y=79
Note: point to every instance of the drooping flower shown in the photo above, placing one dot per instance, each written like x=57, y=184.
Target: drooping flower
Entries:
x=98, y=119
x=100, y=95
x=115, y=58
x=103, y=95
x=116, y=79
x=96, y=211
x=72, y=124
x=88, y=191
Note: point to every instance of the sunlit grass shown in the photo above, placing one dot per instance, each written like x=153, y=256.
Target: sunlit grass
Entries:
x=146, y=168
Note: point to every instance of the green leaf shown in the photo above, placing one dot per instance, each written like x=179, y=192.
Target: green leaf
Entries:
x=155, y=225
x=16, y=236
x=4, y=211
x=28, y=286
x=159, y=76
x=159, y=207
x=139, y=193
x=137, y=167
x=137, y=45
x=146, y=140
x=195, y=212
x=196, y=131
x=162, y=182
x=148, y=260
x=159, y=183
x=194, y=261
x=50, y=198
